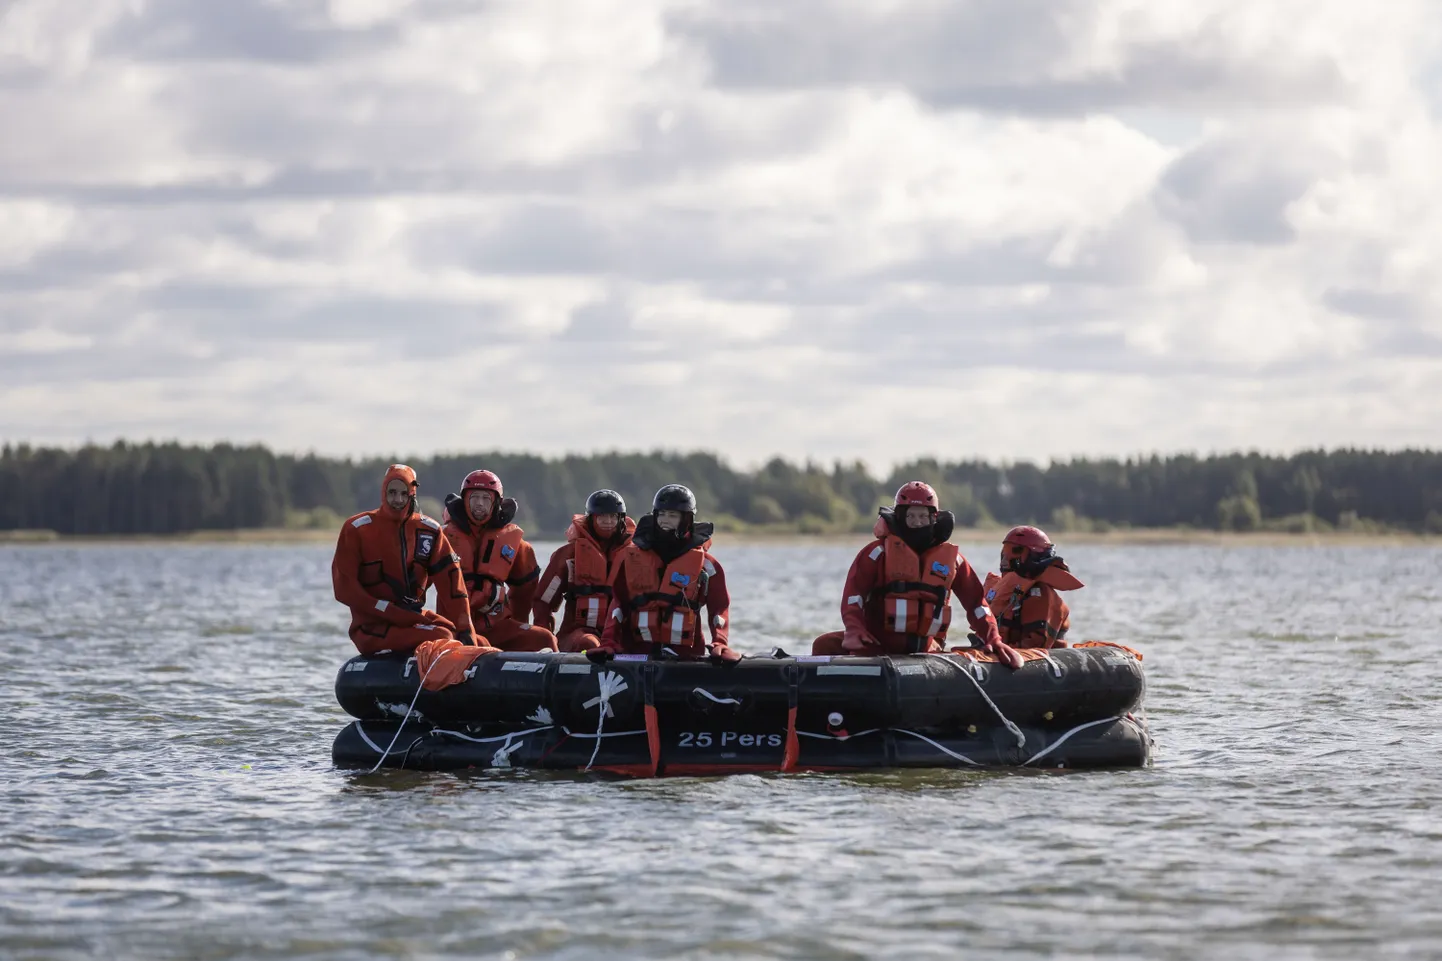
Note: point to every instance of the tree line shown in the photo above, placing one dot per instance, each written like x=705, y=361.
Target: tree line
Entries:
x=170, y=488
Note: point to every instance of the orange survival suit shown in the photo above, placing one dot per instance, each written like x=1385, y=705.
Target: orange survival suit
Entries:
x=500, y=571
x=579, y=573
x=659, y=591
x=897, y=600
x=384, y=561
x=1029, y=610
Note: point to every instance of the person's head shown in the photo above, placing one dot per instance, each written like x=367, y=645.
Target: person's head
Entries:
x=606, y=512
x=481, y=491
x=674, y=508
x=916, y=504
x=1026, y=550
x=398, y=490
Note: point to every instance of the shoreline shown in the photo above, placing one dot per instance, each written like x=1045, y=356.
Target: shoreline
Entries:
x=1140, y=537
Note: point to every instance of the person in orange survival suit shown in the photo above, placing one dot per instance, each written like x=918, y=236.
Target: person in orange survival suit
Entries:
x=499, y=566
x=385, y=560
x=1024, y=596
x=662, y=580
x=897, y=598
x=579, y=572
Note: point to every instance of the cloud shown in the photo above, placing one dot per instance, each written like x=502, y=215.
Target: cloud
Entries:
x=1007, y=229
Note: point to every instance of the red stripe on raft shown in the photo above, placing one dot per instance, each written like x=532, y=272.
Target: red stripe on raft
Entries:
x=653, y=738
x=793, y=744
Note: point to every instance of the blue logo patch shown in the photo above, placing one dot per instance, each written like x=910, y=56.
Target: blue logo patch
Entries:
x=937, y=567
x=678, y=578
x=507, y=551
x=991, y=594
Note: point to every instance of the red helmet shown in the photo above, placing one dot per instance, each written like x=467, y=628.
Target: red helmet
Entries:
x=1032, y=538
x=482, y=480
x=1026, y=549
x=917, y=494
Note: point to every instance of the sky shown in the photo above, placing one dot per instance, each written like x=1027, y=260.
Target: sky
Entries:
x=878, y=229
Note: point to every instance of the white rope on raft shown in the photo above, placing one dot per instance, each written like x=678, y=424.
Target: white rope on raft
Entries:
x=599, y=735
x=1059, y=741
x=365, y=737
x=1006, y=721
x=610, y=683
x=943, y=749
x=489, y=740
x=833, y=737
x=420, y=686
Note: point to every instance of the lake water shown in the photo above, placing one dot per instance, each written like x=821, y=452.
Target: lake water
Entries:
x=168, y=793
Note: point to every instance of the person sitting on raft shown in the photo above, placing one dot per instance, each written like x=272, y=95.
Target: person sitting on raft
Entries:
x=1024, y=596
x=499, y=565
x=579, y=572
x=385, y=560
x=662, y=580
x=897, y=598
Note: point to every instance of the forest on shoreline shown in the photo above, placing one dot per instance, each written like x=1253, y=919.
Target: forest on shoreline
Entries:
x=169, y=488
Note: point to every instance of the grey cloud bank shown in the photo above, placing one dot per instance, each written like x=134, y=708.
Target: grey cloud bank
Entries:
x=1011, y=230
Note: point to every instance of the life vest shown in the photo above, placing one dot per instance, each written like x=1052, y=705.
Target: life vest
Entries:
x=665, y=598
x=493, y=554
x=588, y=575
x=1007, y=593
x=917, y=587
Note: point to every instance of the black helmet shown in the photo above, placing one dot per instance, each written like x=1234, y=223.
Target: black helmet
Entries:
x=606, y=502
x=674, y=497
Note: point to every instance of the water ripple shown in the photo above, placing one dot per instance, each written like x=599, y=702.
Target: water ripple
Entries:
x=168, y=792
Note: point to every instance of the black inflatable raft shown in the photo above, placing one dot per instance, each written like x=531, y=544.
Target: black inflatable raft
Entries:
x=1075, y=709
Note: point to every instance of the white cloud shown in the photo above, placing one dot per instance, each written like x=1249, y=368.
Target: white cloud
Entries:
x=1009, y=228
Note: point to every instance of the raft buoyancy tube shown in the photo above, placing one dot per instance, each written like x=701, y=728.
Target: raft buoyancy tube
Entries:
x=760, y=714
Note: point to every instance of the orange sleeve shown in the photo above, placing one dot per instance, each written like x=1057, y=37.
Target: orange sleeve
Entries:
x=452, y=599
x=551, y=588
x=718, y=604
x=861, y=580
x=522, y=583
x=614, y=633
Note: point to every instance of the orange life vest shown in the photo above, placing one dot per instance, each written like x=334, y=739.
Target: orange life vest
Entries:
x=493, y=555
x=1006, y=593
x=665, y=599
x=588, y=577
x=917, y=588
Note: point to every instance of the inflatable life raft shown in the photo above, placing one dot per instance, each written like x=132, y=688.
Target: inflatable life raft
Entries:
x=1073, y=708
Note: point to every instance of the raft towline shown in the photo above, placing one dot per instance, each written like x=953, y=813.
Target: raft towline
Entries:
x=1077, y=708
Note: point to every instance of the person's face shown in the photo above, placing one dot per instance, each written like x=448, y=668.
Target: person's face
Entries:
x=479, y=503
x=398, y=494
x=918, y=516
x=668, y=520
x=606, y=524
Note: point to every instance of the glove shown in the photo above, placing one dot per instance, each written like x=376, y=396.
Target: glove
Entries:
x=859, y=641
x=721, y=654
x=434, y=619
x=466, y=638
x=599, y=655
x=1005, y=654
